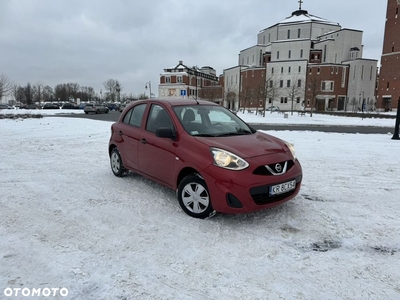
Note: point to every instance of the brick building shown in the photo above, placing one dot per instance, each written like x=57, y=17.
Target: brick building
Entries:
x=182, y=81
x=297, y=53
x=389, y=76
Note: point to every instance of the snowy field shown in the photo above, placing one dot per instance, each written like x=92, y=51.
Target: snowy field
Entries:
x=67, y=222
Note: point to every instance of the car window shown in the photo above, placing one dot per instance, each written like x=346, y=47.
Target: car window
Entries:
x=213, y=121
x=128, y=116
x=135, y=115
x=158, y=117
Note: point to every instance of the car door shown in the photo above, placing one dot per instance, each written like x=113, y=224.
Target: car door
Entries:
x=157, y=157
x=130, y=131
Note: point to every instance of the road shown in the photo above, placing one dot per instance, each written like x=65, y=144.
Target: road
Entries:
x=113, y=116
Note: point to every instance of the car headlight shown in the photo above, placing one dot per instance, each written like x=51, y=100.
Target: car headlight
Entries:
x=228, y=160
x=291, y=148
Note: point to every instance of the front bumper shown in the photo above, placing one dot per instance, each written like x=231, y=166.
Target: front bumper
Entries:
x=243, y=191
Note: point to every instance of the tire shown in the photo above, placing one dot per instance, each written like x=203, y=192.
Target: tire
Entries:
x=194, y=197
x=97, y=111
x=86, y=112
x=116, y=164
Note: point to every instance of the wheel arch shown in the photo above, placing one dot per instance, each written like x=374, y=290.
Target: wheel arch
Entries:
x=185, y=172
x=110, y=149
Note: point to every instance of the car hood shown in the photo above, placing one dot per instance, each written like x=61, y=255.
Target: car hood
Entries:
x=246, y=146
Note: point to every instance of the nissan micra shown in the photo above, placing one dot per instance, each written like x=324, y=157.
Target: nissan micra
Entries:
x=212, y=159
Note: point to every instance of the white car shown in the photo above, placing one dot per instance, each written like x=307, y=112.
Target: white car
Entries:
x=273, y=108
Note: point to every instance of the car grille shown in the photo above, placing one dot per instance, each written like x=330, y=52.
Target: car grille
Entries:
x=260, y=194
x=270, y=169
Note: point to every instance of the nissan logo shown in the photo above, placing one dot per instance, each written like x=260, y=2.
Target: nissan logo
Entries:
x=278, y=168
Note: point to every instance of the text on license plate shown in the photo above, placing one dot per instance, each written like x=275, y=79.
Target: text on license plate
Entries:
x=282, y=188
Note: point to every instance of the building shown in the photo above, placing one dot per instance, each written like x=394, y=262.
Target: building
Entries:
x=389, y=75
x=305, y=62
x=182, y=81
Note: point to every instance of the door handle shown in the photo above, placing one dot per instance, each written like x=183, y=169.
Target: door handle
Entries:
x=143, y=141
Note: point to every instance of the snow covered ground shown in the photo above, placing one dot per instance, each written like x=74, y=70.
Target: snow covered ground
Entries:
x=67, y=221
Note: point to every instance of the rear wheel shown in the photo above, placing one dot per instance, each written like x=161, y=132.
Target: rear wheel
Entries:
x=117, y=166
x=194, y=198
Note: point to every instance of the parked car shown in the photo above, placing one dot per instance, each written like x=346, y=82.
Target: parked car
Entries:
x=69, y=105
x=212, y=158
x=112, y=106
x=82, y=105
x=95, y=108
x=50, y=106
x=273, y=108
x=6, y=106
x=121, y=107
x=30, y=106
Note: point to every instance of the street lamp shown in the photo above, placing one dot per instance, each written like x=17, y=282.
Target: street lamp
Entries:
x=148, y=85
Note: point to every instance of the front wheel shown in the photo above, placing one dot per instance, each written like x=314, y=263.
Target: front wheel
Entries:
x=117, y=166
x=194, y=198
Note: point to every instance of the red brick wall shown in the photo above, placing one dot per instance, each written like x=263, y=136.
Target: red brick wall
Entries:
x=390, y=60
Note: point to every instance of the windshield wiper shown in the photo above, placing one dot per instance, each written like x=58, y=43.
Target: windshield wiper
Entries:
x=204, y=135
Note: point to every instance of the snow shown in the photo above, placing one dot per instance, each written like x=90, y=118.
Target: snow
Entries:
x=67, y=221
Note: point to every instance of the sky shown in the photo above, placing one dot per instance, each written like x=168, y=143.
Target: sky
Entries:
x=89, y=42
x=67, y=222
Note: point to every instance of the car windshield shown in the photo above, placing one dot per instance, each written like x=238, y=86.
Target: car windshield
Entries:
x=210, y=121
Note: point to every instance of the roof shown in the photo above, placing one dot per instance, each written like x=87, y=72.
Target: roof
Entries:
x=302, y=17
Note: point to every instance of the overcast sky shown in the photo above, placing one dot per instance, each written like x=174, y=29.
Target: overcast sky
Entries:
x=90, y=41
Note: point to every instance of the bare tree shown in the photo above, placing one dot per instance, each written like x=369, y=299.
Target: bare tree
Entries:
x=28, y=94
x=294, y=91
x=19, y=94
x=113, y=88
x=5, y=86
x=272, y=92
x=314, y=88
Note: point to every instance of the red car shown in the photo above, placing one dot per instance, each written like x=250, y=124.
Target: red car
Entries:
x=212, y=158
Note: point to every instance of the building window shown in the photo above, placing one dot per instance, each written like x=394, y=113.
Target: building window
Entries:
x=281, y=70
x=271, y=83
x=281, y=99
x=290, y=54
x=277, y=55
x=301, y=53
x=264, y=39
x=269, y=37
x=309, y=86
x=272, y=70
x=299, y=69
x=310, y=71
x=337, y=70
x=289, y=70
x=270, y=100
x=298, y=33
x=332, y=69
x=288, y=34
x=179, y=79
x=288, y=83
x=318, y=70
x=298, y=100
x=387, y=85
x=168, y=79
x=327, y=86
x=299, y=83
x=281, y=83
x=285, y=99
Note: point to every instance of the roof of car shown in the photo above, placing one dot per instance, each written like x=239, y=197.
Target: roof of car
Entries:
x=174, y=102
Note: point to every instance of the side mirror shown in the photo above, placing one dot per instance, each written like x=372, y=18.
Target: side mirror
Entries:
x=165, y=132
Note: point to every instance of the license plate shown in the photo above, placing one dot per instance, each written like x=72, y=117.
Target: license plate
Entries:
x=282, y=188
